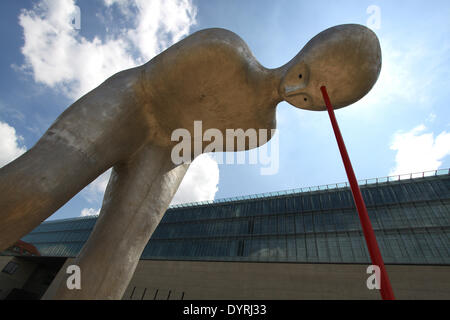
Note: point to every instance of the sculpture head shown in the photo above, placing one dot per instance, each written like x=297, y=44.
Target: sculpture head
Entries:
x=345, y=58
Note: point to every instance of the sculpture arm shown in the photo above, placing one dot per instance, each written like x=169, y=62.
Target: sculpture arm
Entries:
x=101, y=129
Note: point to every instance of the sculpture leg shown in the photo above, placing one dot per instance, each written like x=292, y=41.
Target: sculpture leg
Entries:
x=136, y=198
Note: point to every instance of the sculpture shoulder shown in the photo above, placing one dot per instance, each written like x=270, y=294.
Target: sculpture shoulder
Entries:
x=216, y=35
x=207, y=44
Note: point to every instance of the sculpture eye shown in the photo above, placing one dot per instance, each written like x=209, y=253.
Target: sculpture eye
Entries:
x=300, y=76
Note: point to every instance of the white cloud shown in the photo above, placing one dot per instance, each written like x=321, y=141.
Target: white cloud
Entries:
x=59, y=57
x=89, y=212
x=402, y=84
x=431, y=117
x=160, y=23
x=200, y=182
x=418, y=151
x=11, y=112
x=10, y=147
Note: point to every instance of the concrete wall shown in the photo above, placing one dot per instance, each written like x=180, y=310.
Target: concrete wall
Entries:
x=241, y=280
x=16, y=280
x=244, y=280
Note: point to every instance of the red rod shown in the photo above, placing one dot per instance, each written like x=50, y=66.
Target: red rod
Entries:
x=369, y=235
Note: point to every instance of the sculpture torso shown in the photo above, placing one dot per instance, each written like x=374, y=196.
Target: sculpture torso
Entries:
x=210, y=76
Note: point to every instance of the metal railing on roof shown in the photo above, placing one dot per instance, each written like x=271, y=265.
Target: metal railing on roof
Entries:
x=393, y=178
x=316, y=188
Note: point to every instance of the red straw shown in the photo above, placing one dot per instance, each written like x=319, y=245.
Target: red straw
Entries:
x=369, y=235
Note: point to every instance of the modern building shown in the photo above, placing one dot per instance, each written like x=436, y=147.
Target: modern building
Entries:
x=299, y=244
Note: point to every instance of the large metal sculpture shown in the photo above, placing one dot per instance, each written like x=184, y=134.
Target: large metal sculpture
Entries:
x=126, y=123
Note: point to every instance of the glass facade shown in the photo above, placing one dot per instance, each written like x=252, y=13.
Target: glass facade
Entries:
x=411, y=219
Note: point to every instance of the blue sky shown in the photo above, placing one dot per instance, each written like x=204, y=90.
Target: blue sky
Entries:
x=401, y=126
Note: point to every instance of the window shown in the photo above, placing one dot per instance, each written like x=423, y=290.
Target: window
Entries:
x=281, y=205
x=273, y=225
x=386, y=219
x=187, y=249
x=398, y=250
x=243, y=226
x=247, y=247
x=10, y=268
x=272, y=249
x=435, y=239
x=326, y=201
x=290, y=224
x=264, y=248
x=281, y=224
x=222, y=249
x=376, y=196
x=335, y=200
x=328, y=221
x=298, y=204
x=413, y=192
x=265, y=225
x=256, y=248
x=441, y=188
x=257, y=226
x=346, y=199
x=333, y=248
x=219, y=228
x=196, y=250
x=237, y=211
x=441, y=214
x=291, y=205
x=385, y=247
x=399, y=191
x=412, y=247
x=367, y=197
x=373, y=216
x=299, y=226
x=340, y=222
x=301, y=248
x=426, y=214
x=291, y=248
x=250, y=226
x=308, y=222
x=311, y=248
x=281, y=248
x=306, y=203
x=315, y=202
x=388, y=195
x=319, y=223
x=232, y=248
x=427, y=251
x=322, y=249
x=397, y=214
x=345, y=247
x=413, y=217
x=426, y=191
x=265, y=206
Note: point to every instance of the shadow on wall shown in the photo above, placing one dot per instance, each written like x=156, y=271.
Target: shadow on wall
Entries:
x=27, y=278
